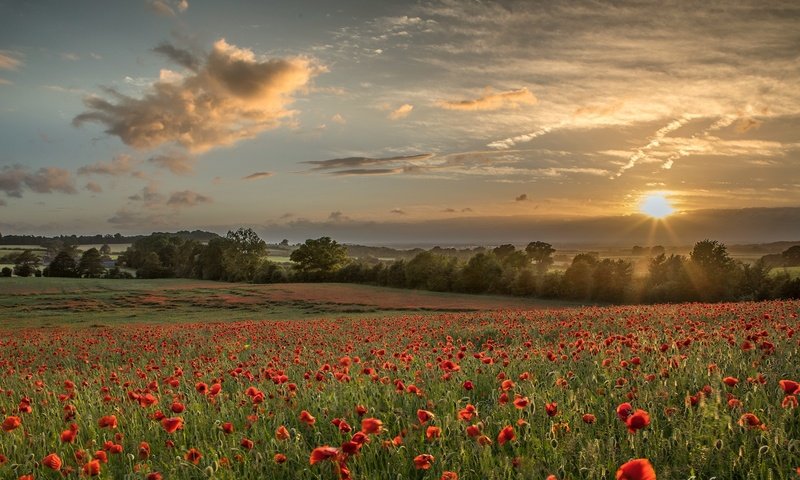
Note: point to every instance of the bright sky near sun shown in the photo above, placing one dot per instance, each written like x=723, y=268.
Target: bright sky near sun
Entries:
x=309, y=116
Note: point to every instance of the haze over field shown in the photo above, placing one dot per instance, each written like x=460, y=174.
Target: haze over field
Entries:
x=403, y=122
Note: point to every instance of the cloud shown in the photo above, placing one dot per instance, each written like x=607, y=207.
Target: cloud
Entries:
x=397, y=211
x=338, y=118
x=522, y=198
x=167, y=8
x=175, y=162
x=3, y=203
x=232, y=96
x=353, y=162
x=149, y=195
x=401, y=112
x=15, y=179
x=8, y=60
x=258, y=175
x=130, y=219
x=187, y=198
x=367, y=171
x=93, y=187
x=119, y=165
x=337, y=217
x=492, y=101
x=70, y=56
x=180, y=56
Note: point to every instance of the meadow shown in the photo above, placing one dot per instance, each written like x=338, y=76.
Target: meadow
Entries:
x=213, y=380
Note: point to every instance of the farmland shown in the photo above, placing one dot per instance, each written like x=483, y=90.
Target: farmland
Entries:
x=212, y=380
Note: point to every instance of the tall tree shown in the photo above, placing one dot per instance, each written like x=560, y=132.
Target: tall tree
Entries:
x=91, y=264
x=243, y=255
x=63, y=265
x=541, y=254
x=26, y=264
x=322, y=255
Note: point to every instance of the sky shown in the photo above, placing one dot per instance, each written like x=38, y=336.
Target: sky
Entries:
x=380, y=121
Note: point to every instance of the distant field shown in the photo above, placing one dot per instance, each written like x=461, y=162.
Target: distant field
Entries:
x=794, y=272
x=61, y=301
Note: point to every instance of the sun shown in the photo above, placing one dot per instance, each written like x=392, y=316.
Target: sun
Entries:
x=656, y=205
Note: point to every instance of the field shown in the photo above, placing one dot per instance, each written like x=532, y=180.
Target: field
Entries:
x=212, y=380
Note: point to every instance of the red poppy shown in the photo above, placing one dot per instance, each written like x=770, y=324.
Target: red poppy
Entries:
x=521, y=402
x=551, y=409
x=307, y=418
x=11, y=423
x=144, y=451
x=639, y=469
x=751, y=421
x=588, y=418
x=432, y=433
x=227, y=427
x=507, y=434
x=449, y=476
x=467, y=412
x=68, y=436
x=789, y=387
x=730, y=381
x=279, y=458
x=52, y=461
x=624, y=410
x=322, y=453
x=101, y=456
x=247, y=444
x=154, y=476
x=172, y=424
x=424, y=416
x=108, y=421
x=371, y=425
x=177, y=407
x=282, y=433
x=423, y=461
x=193, y=455
x=92, y=468
x=473, y=430
x=637, y=421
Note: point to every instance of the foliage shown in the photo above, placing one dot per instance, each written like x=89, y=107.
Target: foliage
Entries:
x=320, y=256
x=63, y=265
x=26, y=264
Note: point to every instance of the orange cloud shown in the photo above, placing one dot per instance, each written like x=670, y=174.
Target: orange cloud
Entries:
x=492, y=101
x=401, y=112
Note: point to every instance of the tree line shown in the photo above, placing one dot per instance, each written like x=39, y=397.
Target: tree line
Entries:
x=708, y=273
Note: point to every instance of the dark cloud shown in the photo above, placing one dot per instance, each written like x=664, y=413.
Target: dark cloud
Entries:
x=15, y=179
x=149, y=195
x=233, y=95
x=492, y=101
x=397, y=211
x=187, y=198
x=522, y=198
x=182, y=57
x=367, y=171
x=258, y=175
x=119, y=165
x=175, y=162
x=351, y=162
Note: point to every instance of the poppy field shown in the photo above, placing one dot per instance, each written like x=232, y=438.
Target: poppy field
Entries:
x=674, y=391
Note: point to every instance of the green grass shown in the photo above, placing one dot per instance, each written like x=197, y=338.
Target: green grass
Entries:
x=793, y=272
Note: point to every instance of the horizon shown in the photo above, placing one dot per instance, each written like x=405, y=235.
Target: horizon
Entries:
x=405, y=123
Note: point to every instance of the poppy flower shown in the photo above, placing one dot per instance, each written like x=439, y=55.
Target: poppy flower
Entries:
x=52, y=461
x=789, y=387
x=68, y=436
x=521, y=402
x=423, y=461
x=307, y=418
x=101, y=456
x=467, y=412
x=551, y=409
x=639, y=469
x=154, y=476
x=637, y=421
x=144, y=450
x=751, y=421
x=282, y=433
x=424, y=416
x=483, y=440
x=247, y=444
x=432, y=433
x=11, y=423
x=322, y=453
x=91, y=468
x=227, y=427
x=371, y=426
x=473, y=430
x=108, y=421
x=279, y=458
x=193, y=455
x=449, y=476
x=730, y=381
x=588, y=418
x=624, y=411
x=507, y=434
x=172, y=424
x=177, y=407
x=789, y=401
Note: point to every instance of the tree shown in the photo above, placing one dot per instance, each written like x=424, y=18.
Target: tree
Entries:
x=712, y=270
x=481, y=274
x=243, y=254
x=503, y=251
x=91, y=265
x=791, y=256
x=322, y=256
x=6, y=272
x=430, y=271
x=63, y=265
x=26, y=264
x=541, y=254
x=105, y=249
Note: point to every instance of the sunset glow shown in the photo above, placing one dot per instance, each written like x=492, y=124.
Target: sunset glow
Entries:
x=656, y=205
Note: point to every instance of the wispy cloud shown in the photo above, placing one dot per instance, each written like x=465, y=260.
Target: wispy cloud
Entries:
x=119, y=165
x=258, y=175
x=168, y=8
x=187, y=198
x=492, y=101
x=176, y=162
x=9, y=60
x=401, y=112
x=14, y=180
